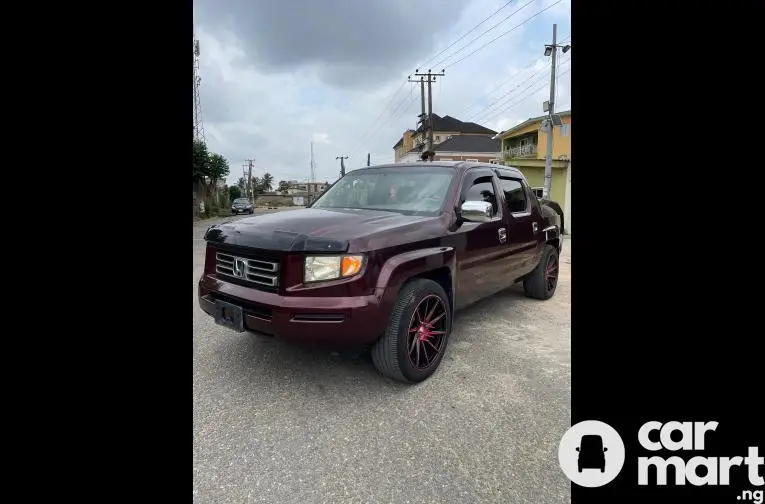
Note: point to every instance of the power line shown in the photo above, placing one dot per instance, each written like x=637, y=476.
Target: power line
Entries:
x=424, y=65
x=508, y=105
x=529, y=65
x=503, y=34
x=393, y=115
x=504, y=109
x=492, y=104
x=484, y=32
x=392, y=98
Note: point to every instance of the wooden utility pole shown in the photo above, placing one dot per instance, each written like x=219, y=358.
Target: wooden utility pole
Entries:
x=249, y=179
x=427, y=122
x=342, y=165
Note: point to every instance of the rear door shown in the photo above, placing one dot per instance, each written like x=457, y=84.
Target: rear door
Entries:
x=524, y=220
x=482, y=251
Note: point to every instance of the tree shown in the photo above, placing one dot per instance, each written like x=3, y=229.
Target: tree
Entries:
x=201, y=162
x=267, y=182
x=283, y=186
x=235, y=192
x=218, y=167
x=256, y=186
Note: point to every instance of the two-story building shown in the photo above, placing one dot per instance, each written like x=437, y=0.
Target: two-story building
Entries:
x=294, y=187
x=444, y=128
x=480, y=148
x=525, y=146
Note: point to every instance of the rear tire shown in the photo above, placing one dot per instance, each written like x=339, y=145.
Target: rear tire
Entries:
x=543, y=281
x=417, y=334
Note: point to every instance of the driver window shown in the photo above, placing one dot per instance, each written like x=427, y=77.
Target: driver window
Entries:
x=482, y=189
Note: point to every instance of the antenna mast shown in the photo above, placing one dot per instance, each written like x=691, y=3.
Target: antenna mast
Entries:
x=199, y=129
x=313, y=166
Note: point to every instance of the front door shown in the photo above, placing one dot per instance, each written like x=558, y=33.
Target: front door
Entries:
x=482, y=248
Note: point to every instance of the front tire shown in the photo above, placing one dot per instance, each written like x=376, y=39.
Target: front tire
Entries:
x=418, y=331
x=542, y=282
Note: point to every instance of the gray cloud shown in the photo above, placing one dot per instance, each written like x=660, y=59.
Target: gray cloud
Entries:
x=352, y=42
x=272, y=111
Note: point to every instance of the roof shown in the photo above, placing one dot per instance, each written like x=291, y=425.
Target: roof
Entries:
x=401, y=140
x=530, y=121
x=449, y=123
x=466, y=143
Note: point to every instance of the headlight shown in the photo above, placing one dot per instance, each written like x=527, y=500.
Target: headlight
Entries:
x=324, y=267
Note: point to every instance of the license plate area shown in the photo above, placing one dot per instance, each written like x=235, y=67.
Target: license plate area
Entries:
x=229, y=315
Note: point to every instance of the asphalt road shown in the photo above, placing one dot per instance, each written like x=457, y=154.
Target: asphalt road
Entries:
x=279, y=424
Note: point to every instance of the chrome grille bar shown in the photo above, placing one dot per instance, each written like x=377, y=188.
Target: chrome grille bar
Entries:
x=257, y=271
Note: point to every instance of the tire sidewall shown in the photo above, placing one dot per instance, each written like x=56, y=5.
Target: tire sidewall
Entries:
x=415, y=297
x=551, y=251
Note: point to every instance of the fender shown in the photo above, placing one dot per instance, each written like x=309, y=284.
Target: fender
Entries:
x=399, y=268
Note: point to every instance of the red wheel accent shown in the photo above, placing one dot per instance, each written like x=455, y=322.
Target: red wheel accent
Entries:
x=551, y=272
x=426, y=332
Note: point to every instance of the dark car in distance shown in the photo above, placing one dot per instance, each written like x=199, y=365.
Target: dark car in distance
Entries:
x=591, y=453
x=382, y=260
x=242, y=205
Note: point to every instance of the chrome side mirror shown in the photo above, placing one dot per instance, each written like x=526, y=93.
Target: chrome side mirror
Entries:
x=476, y=211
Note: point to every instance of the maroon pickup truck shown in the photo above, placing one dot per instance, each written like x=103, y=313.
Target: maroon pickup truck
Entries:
x=383, y=259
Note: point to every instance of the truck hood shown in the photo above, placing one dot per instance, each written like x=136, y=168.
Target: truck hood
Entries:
x=313, y=229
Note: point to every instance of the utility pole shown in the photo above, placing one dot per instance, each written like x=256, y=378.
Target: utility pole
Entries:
x=313, y=166
x=427, y=125
x=369, y=156
x=549, y=107
x=342, y=165
x=244, y=178
x=249, y=178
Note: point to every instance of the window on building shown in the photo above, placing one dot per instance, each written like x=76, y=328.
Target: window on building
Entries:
x=564, y=130
x=515, y=195
x=482, y=189
x=537, y=191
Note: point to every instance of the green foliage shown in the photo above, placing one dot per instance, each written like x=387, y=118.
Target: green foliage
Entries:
x=283, y=186
x=201, y=162
x=267, y=182
x=235, y=192
x=218, y=166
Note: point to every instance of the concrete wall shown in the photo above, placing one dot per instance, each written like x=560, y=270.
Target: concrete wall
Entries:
x=279, y=199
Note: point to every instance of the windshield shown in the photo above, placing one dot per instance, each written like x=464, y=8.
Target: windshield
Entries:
x=404, y=190
x=241, y=201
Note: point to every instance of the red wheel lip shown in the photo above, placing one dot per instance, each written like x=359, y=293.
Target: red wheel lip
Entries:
x=426, y=332
x=552, y=267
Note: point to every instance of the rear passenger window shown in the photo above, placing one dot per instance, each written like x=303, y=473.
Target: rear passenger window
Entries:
x=482, y=189
x=515, y=195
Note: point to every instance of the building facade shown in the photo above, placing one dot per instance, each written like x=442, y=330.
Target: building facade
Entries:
x=444, y=128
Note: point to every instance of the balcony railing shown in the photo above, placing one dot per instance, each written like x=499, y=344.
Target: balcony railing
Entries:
x=521, y=151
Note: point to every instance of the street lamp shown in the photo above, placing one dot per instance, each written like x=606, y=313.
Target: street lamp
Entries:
x=566, y=48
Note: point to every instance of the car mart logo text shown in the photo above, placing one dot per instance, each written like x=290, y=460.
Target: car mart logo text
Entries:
x=697, y=470
x=591, y=453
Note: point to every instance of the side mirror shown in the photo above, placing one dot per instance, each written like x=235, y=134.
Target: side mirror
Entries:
x=476, y=211
x=605, y=449
x=577, y=448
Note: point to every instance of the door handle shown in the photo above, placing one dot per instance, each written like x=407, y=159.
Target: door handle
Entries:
x=502, y=234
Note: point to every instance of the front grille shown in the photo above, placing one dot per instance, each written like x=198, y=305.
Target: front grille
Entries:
x=261, y=272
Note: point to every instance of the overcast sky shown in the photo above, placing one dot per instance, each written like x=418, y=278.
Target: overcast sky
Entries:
x=278, y=75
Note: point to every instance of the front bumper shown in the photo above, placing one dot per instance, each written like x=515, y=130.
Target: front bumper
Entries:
x=345, y=321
